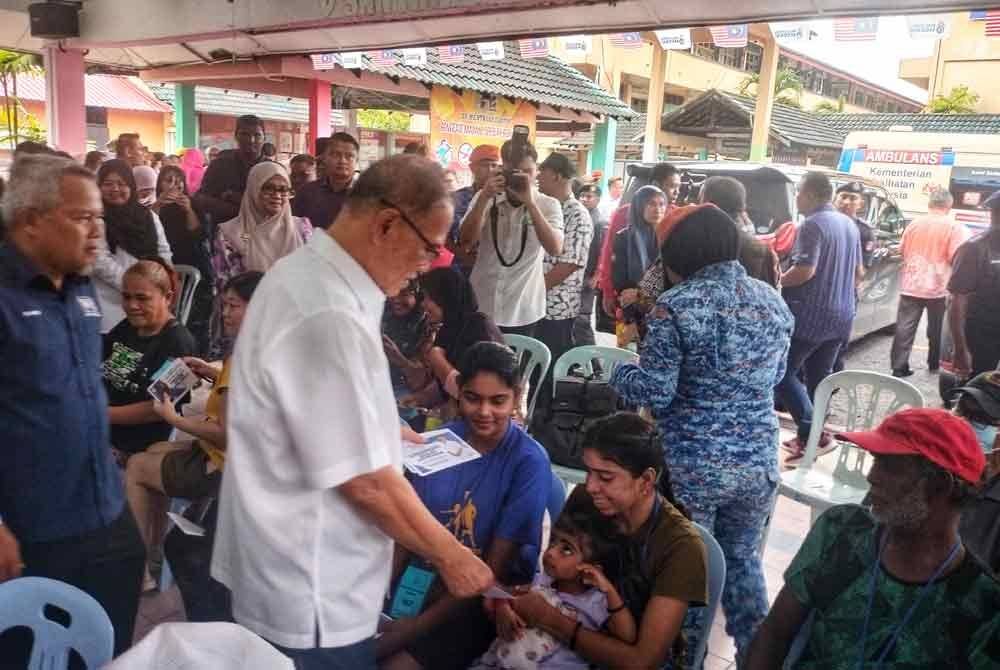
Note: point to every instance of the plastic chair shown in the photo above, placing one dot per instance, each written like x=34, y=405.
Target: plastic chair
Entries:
x=23, y=603
x=716, y=583
x=532, y=355
x=608, y=358
x=189, y=278
x=848, y=483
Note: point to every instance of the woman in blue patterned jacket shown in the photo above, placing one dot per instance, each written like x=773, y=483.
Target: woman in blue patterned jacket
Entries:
x=715, y=348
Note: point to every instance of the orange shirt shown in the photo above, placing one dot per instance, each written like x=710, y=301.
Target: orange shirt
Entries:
x=928, y=245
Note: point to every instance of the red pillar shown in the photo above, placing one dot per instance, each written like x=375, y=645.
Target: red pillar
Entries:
x=65, y=99
x=319, y=111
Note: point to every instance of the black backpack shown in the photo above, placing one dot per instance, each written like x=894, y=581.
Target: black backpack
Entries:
x=579, y=402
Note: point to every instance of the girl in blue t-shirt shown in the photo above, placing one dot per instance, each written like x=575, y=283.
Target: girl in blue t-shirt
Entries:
x=494, y=505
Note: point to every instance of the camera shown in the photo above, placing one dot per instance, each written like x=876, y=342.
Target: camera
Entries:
x=518, y=150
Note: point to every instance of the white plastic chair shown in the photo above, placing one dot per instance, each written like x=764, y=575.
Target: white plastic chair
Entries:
x=609, y=358
x=532, y=355
x=848, y=483
x=189, y=278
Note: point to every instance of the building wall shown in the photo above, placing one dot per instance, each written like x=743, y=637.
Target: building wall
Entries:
x=967, y=57
x=151, y=126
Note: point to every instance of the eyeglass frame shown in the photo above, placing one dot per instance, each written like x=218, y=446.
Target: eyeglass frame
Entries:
x=433, y=250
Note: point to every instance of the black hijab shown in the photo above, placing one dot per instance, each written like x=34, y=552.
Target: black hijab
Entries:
x=464, y=325
x=129, y=226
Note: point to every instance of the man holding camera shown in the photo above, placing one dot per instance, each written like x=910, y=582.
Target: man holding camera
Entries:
x=515, y=227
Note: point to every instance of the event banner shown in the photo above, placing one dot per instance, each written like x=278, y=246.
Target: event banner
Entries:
x=908, y=176
x=460, y=123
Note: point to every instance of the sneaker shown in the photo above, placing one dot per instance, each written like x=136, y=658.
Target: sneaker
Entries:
x=907, y=372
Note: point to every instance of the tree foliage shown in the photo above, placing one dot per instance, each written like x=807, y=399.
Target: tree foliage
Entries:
x=788, y=86
x=12, y=64
x=382, y=119
x=828, y=107
x=960, y=100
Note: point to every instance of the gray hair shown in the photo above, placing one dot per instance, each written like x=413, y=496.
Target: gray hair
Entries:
x=940, y=198
x=36, y=183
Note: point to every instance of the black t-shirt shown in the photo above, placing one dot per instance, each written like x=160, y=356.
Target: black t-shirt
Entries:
x=980, y=527
x=228, y=172
x=130, y=361
x=976, y=273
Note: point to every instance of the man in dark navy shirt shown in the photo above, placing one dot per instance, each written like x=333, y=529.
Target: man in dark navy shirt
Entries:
x=820, y=289
x=62, y=502
x=320, y=201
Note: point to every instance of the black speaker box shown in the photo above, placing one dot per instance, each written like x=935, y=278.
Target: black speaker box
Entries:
x=55, y=20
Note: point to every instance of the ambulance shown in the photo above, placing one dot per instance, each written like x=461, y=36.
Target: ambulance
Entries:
x=910, y=165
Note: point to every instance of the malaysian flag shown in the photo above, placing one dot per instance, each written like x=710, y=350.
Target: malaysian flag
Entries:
x=537, y=47
x=453, y=53
x=324, y=61
x=730, y=37
x=626, y=40
x=993, y=23
x=855, y=29
x=382, y=57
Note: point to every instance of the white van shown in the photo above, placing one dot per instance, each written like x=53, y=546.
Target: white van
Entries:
x=909, y=165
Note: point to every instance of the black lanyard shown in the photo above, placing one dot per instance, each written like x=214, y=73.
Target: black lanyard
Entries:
x=494, y=220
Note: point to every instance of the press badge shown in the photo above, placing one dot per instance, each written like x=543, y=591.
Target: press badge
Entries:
x=412, y=591
x=89, y=306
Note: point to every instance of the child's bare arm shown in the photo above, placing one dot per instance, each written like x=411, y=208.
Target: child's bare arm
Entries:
x=621, y=623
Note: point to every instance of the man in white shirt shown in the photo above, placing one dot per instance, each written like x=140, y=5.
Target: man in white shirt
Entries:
x=515, y=226
x=616, y=187
x=313, y=496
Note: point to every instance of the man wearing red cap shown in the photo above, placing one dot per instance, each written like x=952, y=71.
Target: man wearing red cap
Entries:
x=483, y=162
x=893, y=587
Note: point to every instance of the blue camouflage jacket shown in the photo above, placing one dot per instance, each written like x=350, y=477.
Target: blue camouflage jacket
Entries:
x=715, y=348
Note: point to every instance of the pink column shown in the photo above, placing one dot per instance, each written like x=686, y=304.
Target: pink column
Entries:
x=319, y=111
x=65, y=99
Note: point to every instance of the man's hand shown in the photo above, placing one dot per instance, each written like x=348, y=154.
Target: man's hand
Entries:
x=464, y=574
x=494, y=186
x=10, y=555
x=526, y=194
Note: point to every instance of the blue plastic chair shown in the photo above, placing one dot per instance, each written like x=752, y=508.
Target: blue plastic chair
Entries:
x=532, y=355
x=89, y=633
x=585, y=356
x=716, y=582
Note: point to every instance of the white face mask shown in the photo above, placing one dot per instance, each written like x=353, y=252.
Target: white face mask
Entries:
x=147, y=201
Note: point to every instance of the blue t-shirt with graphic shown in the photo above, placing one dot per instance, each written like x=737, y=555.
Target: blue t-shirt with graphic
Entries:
x=500, y=495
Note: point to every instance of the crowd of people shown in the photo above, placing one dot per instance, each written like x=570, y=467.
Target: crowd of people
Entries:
x=340, y=312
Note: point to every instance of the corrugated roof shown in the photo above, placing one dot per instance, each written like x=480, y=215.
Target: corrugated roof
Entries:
x=629, y=131
x=980, y=124
x=547, y=80
x=102, y=90
x=231, y=102
x=790, y=124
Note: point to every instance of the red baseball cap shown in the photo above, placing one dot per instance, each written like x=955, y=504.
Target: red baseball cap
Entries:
x=941, y=437
x=483, y=152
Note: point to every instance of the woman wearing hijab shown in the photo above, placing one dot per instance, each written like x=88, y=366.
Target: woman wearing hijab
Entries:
x=453, y=312
x=131, y=232
x=635, y=250
x=715, y=349
x=193, y=165
x=262, y=233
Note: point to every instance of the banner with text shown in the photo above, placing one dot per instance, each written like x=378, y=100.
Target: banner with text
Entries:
x=909, y=176
x=460, y=123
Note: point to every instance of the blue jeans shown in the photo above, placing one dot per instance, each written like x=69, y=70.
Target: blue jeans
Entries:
x=357, y=656
x=816, y=359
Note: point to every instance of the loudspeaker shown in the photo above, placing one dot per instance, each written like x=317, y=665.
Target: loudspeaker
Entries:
x=55, y=20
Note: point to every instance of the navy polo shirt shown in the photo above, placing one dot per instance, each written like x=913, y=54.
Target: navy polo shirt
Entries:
x=57, y=475
x=319, y=203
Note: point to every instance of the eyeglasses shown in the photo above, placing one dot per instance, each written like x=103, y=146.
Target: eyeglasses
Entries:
x=270, y=189
x=433, y=250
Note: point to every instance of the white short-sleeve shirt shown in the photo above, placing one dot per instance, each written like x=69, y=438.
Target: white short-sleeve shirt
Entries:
x=310, y=407
x=513, y=296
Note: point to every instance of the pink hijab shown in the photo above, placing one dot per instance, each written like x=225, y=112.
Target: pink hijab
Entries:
x=193, y=164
